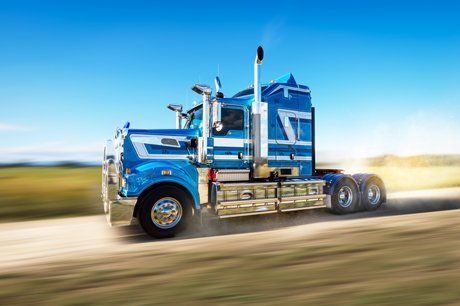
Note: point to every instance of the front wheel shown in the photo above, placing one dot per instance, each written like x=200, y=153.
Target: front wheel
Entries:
x=165, y=211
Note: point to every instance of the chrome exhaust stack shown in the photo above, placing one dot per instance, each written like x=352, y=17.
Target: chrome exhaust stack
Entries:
x=257, y=62
x=205, y=91
x=259, y=124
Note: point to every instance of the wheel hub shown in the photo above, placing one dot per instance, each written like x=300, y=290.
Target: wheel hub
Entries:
x=166, y=213
x=373, y=194
x=345, y=196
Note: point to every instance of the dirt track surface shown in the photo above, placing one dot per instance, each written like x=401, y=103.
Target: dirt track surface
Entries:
x=30, y=244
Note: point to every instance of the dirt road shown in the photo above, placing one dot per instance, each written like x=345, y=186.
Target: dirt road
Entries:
x=29, y=244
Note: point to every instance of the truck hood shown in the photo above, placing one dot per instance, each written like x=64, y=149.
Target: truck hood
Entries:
x=166, y=132
x=140, y=146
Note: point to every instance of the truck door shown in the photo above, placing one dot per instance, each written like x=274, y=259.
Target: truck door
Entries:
x=231, y=145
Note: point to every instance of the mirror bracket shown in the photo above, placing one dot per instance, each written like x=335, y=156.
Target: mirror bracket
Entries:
x=216, y=114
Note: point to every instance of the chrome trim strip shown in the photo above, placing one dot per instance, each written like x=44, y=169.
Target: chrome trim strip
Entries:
x=276, y=158
x=231, y=157
x=295, y=89
x=300, y=198
x=228, y=142
x=230, y=185
x=297, y=143
x=249, y=214
x=302, y=208
x=303, y=158
x=167, y=156
x=303, y=181
x=247, y=202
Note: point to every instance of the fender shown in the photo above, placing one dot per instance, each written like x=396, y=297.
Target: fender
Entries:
x=145, y=175
x=332, y=179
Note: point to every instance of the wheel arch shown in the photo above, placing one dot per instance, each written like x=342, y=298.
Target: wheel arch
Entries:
x=332, y=179
x=163, y=184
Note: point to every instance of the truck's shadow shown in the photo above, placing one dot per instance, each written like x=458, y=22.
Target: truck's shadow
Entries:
x=401, y=206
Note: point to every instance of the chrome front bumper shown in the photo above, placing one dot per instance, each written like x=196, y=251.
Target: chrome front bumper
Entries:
x=118, y=210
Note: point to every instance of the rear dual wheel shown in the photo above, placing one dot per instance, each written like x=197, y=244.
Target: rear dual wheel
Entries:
x=373, y=193
x=360, y=192
x=345, y=197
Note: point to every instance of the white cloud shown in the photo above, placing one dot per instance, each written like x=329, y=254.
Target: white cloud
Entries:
x=53, y=151
x=13, y=128
x=422, y=132
x=271, y=35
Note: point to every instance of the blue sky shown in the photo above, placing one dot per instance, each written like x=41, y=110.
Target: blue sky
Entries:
x=384, y=75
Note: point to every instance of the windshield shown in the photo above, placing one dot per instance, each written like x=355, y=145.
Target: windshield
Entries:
x=194, y=118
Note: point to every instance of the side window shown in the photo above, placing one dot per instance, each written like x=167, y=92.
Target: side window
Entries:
x=304, y=130
x=232, y=119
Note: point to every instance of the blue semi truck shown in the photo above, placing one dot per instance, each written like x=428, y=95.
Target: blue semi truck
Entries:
x=249, y=154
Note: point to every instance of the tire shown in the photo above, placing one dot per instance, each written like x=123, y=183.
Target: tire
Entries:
x=345, y=197
x=373, y=194
x=165, y=211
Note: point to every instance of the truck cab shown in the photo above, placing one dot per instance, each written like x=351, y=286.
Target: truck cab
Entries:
x=251, y=153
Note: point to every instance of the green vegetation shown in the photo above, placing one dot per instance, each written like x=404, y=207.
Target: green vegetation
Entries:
x=410, y=172
x=416, y=172
x=400, y=178
x=413, y=260
x=414, y=161
x=29, y=193
x=43, y=192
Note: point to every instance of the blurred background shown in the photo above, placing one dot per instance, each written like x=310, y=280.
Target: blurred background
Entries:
x=384, y=77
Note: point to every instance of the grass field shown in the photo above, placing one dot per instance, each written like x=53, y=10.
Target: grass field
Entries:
x=413, y=178
x=29, y=193
x=408, y=260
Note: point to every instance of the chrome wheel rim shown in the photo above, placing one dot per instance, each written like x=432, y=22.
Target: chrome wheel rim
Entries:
x=345, y=196
x=166, y=213
x=373, y=194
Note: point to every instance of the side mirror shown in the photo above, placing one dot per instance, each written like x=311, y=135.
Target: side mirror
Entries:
x=202, y=89
x=175, y=107
x=216, y=115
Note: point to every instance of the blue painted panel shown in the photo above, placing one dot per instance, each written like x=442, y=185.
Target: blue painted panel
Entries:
x=147, y=171
x=227, y=147
x=292, y=103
